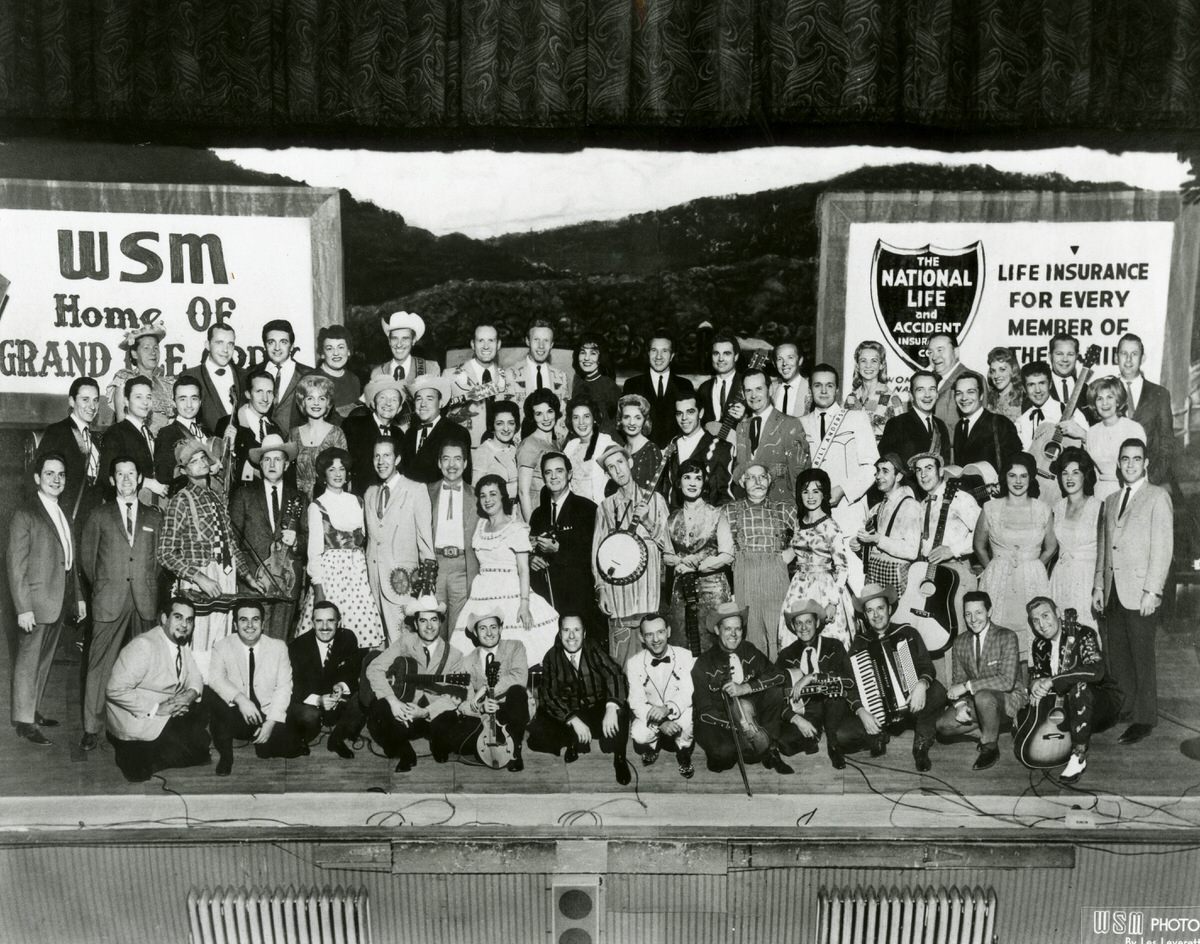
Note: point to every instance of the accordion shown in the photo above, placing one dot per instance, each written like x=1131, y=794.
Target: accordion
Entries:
x=884, y=675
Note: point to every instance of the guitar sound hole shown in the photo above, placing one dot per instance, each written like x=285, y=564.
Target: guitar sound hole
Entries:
x=927, y=587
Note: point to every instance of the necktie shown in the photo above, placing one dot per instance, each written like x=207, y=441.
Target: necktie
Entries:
x=1124, y=501
x=384, y=494
x=93, y=455
x=724, y=393
x=324, y=655
x=928, y=426
x=129, y=521
x=64, y=531
x=149, y=437
x=657, y=662
x=978, y=653
x=540, y=385
x=928, y=514
x=786, y=390
x=449, y=503
x=822, y=425
x=178, y=664
x=1066, y=395
x=262, y=429
x=422, y=436
x=1038, y=417
x=1131, y=406
x=426, y=651
x=553, y=514
x=194, y=430
x=274, y=507
x=755, y=432
x=278, y=371
x=253, y=693
x=487, y=375
x=963, y=429
x=662, y=387
x=398, y=373
x=806, y=661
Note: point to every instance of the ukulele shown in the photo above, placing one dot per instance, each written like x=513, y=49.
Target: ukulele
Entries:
x=1048, y=439
x=928, y=600
x=494, y=745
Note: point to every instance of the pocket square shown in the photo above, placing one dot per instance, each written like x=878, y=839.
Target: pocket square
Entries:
x=144, y=528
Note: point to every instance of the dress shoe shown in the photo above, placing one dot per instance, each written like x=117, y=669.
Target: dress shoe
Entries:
x=89, y=741
x=439, y=756
x=224, y=766
x=836, y=760
x=33, y=734
x=1074, y=769
x=43, y=722
x=407, y=758
x=921, y=756
x=649, y=757
x=686, y=770
x=517, y=764
x=811, y=747
x=878, y=746
x=988, y=755
x=776, y=763
x=339, y=747
x=1134, y=733
x=571, y=754
x=622, y=771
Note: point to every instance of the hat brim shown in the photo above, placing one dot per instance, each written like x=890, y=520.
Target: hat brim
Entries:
x=404, y=319
x=442, y=385
x=886, y=593
x=127, y=344
x=289, y=449
x=713, y=618
x=376, y=386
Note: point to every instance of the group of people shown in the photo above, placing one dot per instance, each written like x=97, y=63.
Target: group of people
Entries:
x=285, y=549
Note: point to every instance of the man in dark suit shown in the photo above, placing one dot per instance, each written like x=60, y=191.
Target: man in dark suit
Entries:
x=279, y=338
x=807, y=717
x=695, y=442
x=421, y=447
x=252, y=424
x=188, y=396
x=1150, y=405
x=326, y=664
x=384, y=397
x=452, y=504
x=72, y=438
x=942, y=351
x=715, y=392
x=980, y=435
x=562, y=527
x=44, y=586
x=133, y=437
x=117, y=554
x=267, y=512
x=768, y=438
x=912, y=432
x=222, y=384
x=661, y=387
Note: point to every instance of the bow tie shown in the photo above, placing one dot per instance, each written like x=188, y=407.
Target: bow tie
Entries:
x=446, y=487
x=220, y=371
x=654, y=662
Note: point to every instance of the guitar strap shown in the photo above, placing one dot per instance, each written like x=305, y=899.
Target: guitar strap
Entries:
x=830, y=435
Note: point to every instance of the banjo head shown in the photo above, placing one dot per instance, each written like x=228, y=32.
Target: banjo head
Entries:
x=621, y=558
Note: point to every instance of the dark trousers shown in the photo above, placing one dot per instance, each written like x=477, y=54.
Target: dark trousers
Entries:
x=391, y=735
x=549, y=735
x=987, y=717
x=1129, y=646
x=182, y=743
x=346, y=720
x=717, y=740
x=102, y=645
x=1090, y=709
x=451, y=732
x=227, y=723
x=853, y=736
x=827, y=715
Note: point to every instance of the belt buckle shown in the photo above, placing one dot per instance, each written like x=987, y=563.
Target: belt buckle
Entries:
x=450, y=552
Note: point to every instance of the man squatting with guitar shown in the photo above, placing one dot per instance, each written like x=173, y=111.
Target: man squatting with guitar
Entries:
x=918, y=626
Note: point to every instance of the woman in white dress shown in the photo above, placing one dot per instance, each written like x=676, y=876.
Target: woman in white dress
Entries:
x=502, y=546
x=1076, y=525
x=584, y=446
x=1108, y=398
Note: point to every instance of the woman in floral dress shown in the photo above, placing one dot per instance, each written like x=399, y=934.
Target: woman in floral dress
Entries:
x=871, y=390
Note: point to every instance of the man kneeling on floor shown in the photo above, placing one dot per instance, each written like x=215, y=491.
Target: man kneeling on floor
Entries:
x=582, y=698
x=660, y=696
x=326, y=664
x=501, y=697
x=249, y=691
x=819, y=673
x=414, y=680
x=155, y=717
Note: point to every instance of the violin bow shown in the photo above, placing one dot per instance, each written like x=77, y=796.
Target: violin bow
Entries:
x=737, y=743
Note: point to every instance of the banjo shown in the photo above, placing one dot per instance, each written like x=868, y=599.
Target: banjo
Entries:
x=622, y=557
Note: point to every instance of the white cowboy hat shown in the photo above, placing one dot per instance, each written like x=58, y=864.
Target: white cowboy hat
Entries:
x=443, y=385
x=404, y=319
x=273, y=443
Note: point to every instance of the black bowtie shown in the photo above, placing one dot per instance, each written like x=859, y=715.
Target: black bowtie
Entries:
x=654, y=662
x=220, y=371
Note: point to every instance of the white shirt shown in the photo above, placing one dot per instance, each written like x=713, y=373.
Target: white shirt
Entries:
x=717, y=407
x=222, y=383
x=556, y=505
x=794, y=396
x=61, y=526
x=531, y=369
x=283, y=374
x=1054, y=653
x=656, y=378
x=574, y=657
x=435, y=652
x=971, y=420
x=448, y=529
x=685, y=446
x=268, y=487
x=1057, y=382
x=1135, y=389
x=1133, y=490
x=1027, y=428
x=128, y=509
x=407, y=364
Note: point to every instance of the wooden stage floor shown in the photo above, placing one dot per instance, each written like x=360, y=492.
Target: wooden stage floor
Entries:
x=1148, y=784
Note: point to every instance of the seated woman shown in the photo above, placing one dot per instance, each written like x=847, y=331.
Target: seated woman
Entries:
x=496, y=454
x=585, y=445
x=701, y=552
x=337, y=565
x=314, y=392
x=501, y=544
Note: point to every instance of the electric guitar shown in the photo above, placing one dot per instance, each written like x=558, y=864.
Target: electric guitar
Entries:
x=927, y=603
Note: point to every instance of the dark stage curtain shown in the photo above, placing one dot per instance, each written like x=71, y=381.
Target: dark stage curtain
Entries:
x=547, y=63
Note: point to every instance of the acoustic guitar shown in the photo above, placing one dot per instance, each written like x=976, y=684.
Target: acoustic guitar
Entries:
x=927, y=603
x=406, y=678
x=724, y=429
x=1048, y=439
x=494, y=745
x=1042, y=738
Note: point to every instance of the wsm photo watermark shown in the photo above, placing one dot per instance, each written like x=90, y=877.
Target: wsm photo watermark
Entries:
x=1141, y=925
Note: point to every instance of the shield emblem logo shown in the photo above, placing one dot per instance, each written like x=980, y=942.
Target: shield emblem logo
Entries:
x=924, y=291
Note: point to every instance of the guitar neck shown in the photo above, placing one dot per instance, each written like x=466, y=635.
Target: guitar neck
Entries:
x=939, y=533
